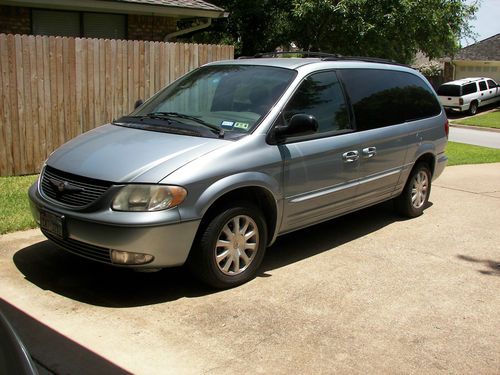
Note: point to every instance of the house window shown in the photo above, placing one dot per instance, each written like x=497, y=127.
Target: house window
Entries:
x=75, y=24
x=48, y=22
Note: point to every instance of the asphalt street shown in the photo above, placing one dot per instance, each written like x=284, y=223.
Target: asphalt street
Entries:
x=366, y=293
x=475, y=137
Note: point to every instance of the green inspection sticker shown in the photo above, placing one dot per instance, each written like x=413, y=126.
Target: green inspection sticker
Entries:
x=241, y=125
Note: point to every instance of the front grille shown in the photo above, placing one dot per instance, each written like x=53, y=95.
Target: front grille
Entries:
x=80, y=191
x=100, y=254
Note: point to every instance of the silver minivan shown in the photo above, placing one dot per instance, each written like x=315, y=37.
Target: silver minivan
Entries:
x=214, y=167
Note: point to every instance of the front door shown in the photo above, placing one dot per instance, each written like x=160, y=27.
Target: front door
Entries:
x=320, y=171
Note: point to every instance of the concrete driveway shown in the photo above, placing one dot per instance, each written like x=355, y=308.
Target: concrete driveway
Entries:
x=367, y=293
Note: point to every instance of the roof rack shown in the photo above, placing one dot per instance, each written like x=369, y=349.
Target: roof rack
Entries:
x=325, y=57
x=365, y=59
x=278, y=53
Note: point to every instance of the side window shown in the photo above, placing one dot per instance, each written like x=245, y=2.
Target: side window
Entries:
x=321, y=96
x=387, y=97
x=491, y=84
x=469, y=88
x=482, y=86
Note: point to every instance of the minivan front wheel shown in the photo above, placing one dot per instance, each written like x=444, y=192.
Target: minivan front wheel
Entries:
x=415, y=195
x=230, y=247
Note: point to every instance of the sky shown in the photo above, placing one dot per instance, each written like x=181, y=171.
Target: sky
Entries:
x=487, y=22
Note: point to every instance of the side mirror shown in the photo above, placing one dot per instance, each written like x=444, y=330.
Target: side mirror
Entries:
x=138, y=103
x=300, y=124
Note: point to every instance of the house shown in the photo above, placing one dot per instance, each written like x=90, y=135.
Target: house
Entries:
x=481, y=59
x=154, y=20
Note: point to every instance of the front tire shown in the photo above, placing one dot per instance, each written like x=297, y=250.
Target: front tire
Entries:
x=230, y=247
x=415, y=195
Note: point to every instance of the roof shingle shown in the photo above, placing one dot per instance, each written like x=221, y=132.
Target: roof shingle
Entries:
x=192, y=4
x=484, y=50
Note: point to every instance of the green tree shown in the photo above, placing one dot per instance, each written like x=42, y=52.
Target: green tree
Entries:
x=394, y=29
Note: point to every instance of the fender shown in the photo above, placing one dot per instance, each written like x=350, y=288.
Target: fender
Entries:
x=230, y=183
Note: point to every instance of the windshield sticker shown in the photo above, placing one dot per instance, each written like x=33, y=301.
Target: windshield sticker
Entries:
x=227, y=124
x=241, y=125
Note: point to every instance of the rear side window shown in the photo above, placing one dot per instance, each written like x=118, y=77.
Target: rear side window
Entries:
x=469, y=88
x=387, y=97
x=449, y=90
x=482, y=86
x=491, y=84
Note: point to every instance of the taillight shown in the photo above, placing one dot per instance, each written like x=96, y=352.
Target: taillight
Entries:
x=447, y=128
x=461, y=101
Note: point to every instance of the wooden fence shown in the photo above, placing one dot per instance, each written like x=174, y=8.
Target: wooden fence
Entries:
x=55, y=88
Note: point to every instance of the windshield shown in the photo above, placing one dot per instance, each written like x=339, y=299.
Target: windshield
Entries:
x=233, y=98
x=449, y=90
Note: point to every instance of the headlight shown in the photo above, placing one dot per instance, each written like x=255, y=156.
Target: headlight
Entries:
x=148, y=198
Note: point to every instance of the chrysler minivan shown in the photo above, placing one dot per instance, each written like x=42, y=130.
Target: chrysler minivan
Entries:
x=217, y=165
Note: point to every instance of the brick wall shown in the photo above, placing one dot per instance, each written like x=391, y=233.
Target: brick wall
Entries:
x=15, y=20
x=150, y=27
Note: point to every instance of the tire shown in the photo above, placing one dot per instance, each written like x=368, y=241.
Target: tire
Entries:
x=413, y=200
x=243, y=254
x=473, y=108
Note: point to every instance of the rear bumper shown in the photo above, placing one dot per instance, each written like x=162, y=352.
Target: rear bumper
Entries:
x=441, y=162
x=458, y=108
x=169, y=242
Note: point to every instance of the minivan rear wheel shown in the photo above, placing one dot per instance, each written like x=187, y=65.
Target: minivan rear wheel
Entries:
x=230, y=247
x=415, y=195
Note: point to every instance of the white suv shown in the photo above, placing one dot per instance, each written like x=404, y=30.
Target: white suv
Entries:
x=468, y=94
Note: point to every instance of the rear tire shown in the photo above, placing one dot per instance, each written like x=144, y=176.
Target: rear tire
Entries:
x=413, y=200
x=230, y=246
x=473, y=108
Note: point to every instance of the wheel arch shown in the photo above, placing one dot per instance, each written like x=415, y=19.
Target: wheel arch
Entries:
x=259, y=189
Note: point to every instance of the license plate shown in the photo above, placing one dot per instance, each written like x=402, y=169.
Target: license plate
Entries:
x=52, y=223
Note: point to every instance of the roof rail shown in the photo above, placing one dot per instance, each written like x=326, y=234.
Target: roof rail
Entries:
x=365, y=59
x=325, y=57
x=278, y=53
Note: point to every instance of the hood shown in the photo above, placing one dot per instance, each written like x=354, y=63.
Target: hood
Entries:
x=119, y=154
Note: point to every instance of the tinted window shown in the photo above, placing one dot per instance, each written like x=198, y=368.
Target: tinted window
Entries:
x=320, y=95
x=449, y=90
x=469, y=88
x=491, y=84
x=482, y=86
x=387, y=97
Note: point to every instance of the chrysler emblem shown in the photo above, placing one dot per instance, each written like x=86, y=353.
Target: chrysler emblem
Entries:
x=65, y=187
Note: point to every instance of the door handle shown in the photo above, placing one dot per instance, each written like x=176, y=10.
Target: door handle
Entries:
x=369, y=152
x=350, y=156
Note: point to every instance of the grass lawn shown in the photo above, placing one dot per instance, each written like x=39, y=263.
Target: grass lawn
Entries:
x=14, y=207
x=460, y=153
x=488, y=120
x=15, y=214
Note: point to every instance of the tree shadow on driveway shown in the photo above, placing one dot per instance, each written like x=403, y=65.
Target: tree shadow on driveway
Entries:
x=93, y=283
x=493, y=267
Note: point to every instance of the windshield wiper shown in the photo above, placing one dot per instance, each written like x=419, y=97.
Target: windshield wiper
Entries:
x=166, y=115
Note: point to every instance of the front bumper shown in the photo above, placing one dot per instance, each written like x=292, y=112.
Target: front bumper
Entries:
x=93, y=236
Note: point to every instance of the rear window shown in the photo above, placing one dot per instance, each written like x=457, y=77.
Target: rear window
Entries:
x=482, y=86
x=388, y=97
x=449, y=90
x=469, y=88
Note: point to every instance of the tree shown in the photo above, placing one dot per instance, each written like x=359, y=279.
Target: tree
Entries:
x=394, y=29
x=252, y=26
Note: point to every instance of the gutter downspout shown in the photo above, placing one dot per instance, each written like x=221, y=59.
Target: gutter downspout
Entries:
x=204, y=25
